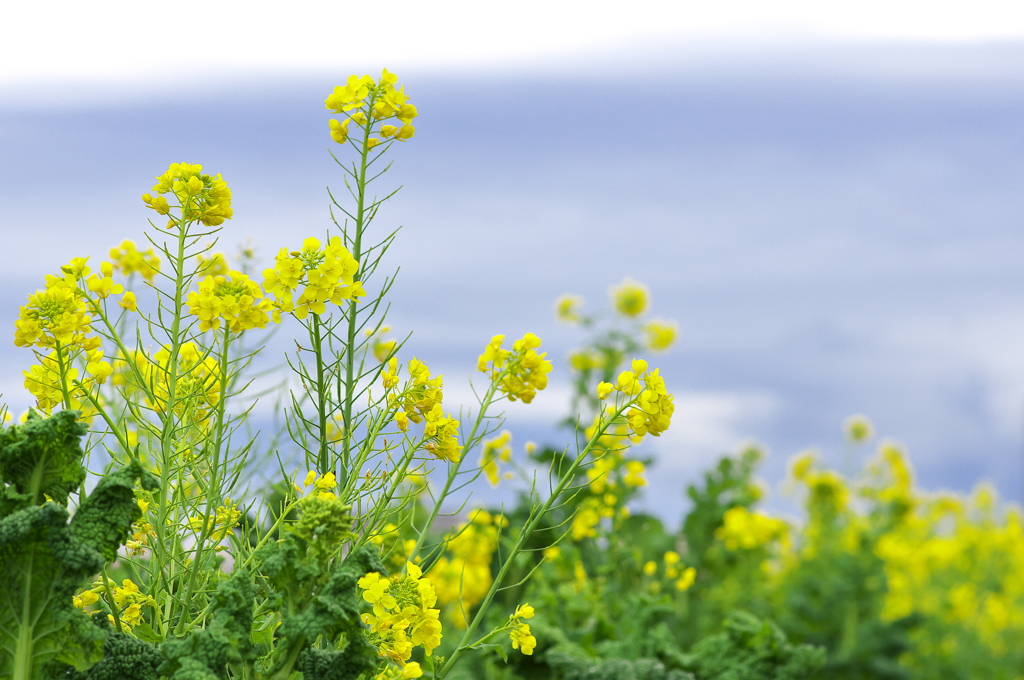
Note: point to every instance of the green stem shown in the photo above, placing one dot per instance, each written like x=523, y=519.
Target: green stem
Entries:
x=322, y=463
x=524, y=536
x=453, y=468
x=209, y=514
x=357, y=253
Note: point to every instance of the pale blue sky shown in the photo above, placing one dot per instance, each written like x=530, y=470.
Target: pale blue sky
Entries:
x=836, y=228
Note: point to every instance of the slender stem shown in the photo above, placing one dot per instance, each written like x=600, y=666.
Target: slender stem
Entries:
x=353, y=305
x=316, y=338
x=453, y=468
x=524, y=535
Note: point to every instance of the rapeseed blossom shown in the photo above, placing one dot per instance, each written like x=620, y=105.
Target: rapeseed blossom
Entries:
x=402, y=615
x=200, y=197
x=567, y=308
x=198, y=387
x=522, y=637
x=520, y=372
x=324, y=274
x=497, y=449
x=660, y=334
x=653, y=405
x=462, y=576
x=378, y=100
x=128, y=260
x=630, y=298
x=234, y=300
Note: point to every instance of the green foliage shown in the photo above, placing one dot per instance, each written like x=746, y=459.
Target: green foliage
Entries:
x=44, y=558
x=124, y=658
x=41, y=458
x=207, y=653
x=751, y=649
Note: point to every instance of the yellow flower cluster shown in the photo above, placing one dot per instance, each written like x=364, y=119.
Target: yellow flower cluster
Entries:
x=142, y=530
x=403, y=614
x=745, y=530
x=660, y=334
x=325, y=274
x=225, y=519
x=653, y=406
x=379, y=100
x=858, y=428
x=200, y=197
x=462, y=576
x=568, y=308
x=521, y=371
x=522, y=638
x=442, y=433
x=497, y=449
x=235, y=299
x=682, y=577
x=198, y=385
x=630, y=298
x=420, y=401
x=214, y=264
x=58, y=318
x=128, y=260
x=323, y=486
x=58, y=315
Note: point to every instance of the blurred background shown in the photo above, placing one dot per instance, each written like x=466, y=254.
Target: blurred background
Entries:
x=825, y=196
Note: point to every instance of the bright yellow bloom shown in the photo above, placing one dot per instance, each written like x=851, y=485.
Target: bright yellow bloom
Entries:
x=520, y=372
x=858, y=428
x=660, y=334
x=129, y=302
x=235, y=300
x=129, y=260
x=523, y=639
x=567, y=308
x=200, y=197
x=629, y=297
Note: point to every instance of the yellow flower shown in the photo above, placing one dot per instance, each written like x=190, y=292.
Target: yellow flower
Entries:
x=522, y=639
x=858, y=428
x=128, y=260
x=129, y=302
x=235, y=299
x=567, y=308
x=660, y=334
x=629, y=297
x=686, y=580
x=339, y=130
x=521, y=372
